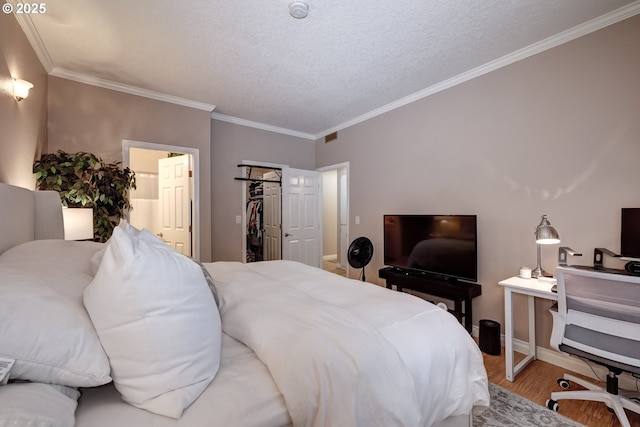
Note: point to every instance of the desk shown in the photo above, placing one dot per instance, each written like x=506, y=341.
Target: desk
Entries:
x=532, y=288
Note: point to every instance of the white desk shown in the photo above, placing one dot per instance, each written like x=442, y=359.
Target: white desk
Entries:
x=532, y=288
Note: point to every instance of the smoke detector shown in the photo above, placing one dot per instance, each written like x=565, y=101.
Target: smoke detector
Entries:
x=299, y=9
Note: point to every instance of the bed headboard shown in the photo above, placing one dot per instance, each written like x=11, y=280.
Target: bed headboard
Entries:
x=28, y=215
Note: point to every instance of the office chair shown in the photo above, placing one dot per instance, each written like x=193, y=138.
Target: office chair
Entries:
x=598, y=319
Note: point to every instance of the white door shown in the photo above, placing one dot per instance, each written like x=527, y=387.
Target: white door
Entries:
x=301, y=216
x=343, y=208
x=272, y=217
x=175, y=202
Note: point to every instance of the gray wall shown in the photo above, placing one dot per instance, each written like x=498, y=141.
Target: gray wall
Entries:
x=88, y=118
x=557, y=134
x=23, y=125
x=231, y=145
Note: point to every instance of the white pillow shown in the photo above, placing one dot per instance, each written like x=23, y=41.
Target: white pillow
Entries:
x=60, y=255
x=43, y=323
x=37, y=405
x=157, y=321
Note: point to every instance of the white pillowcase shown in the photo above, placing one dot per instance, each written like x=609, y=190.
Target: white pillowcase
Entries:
x=37, y=405
x=53, y=255
x=43, y=322
x=157, y=321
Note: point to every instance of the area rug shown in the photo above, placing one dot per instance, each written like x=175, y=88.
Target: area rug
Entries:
x=507, y=409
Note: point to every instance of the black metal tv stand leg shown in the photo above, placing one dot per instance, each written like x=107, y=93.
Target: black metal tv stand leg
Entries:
x=468, y=314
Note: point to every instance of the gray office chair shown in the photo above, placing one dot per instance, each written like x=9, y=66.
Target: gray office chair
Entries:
x=598, y=319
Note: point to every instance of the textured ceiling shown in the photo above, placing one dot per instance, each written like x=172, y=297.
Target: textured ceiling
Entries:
x=258, y=65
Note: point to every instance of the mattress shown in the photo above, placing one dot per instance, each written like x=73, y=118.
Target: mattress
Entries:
x=241, y=395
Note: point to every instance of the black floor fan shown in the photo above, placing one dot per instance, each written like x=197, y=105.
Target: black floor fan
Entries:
x=360, y=253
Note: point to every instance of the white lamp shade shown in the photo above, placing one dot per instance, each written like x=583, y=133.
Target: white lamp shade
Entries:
x=548, y=241
x=78, y=223
x=546, y=234
x=21, y=88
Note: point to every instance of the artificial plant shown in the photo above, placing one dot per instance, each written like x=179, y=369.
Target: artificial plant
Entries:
x=85, y=180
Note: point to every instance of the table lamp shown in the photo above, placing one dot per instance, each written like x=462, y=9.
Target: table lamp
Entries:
x=78, y=223
x=545, y=235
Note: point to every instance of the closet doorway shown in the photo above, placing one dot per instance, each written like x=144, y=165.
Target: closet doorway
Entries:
x=282, y=216
x=166, y=200
x=263, y=213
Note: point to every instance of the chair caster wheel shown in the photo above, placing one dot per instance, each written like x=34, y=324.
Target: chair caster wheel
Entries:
x=552, y=404
x=563, y=383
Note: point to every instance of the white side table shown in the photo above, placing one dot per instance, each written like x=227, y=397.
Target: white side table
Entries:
x=532, y=288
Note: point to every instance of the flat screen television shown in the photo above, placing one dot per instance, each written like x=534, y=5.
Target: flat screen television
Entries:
x=440, y=245
x=630, y=233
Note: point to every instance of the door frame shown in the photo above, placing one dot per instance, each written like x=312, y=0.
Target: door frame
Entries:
x=195, y=157
x=337, y=167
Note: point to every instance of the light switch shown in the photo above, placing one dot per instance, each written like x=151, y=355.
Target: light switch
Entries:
x=357, y=219
x=238, y=219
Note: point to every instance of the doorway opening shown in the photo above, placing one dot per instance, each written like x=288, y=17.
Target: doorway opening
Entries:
x=166, y=200
x=294, y=213
x=335, y=217
x=263, y=213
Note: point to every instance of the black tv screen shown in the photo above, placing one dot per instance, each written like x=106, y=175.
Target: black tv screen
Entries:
x=630, y=233
x=444, y=245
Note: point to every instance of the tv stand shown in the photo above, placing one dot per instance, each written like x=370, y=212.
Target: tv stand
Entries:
x=460, y=292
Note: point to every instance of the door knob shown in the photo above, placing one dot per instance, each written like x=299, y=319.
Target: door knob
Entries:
x=287, y=234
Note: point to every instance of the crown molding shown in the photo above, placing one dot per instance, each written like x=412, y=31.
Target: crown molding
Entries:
x=257, y=125
x=632, y=9
x=29, y=30
x=551, y=42
x=132, y=90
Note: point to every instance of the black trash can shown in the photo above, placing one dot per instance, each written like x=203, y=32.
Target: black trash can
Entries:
x=490, y=337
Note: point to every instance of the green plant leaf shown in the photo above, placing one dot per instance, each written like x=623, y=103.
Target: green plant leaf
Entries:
x=83, y=179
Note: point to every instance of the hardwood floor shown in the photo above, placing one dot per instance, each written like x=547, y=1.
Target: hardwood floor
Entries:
x=538, y=380
x=330, y=265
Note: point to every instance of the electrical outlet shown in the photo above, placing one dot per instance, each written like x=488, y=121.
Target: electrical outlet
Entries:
x=357, y=220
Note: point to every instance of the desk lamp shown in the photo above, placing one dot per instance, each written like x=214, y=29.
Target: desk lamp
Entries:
x=545, y=235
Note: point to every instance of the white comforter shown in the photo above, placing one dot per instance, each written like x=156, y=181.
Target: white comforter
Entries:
x=348, y=353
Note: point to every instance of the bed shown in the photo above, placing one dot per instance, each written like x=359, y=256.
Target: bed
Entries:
x=130, y=333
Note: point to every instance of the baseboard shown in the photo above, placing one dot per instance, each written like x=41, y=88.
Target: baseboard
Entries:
x=332, y=257
x=570, y=363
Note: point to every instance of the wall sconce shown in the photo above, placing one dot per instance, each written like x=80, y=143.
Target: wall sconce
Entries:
x=78, y=223
x=21, y=89
x=545, y=235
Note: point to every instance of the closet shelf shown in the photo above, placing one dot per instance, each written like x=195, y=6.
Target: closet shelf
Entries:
x=258, y=180
x=279, y=181
x=259, y=166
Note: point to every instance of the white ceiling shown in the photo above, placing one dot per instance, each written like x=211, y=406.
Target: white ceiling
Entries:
x=347, y=61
